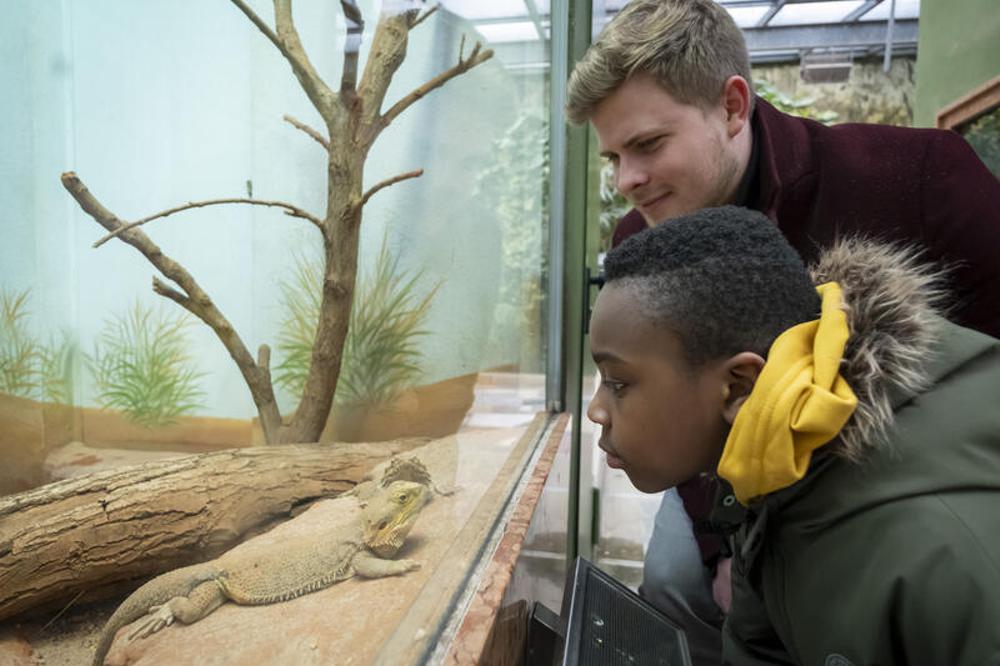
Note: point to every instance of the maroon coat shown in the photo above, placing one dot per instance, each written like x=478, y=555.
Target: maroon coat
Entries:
x=920, y=187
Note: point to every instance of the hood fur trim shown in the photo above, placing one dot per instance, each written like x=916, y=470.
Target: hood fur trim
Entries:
x=893, y=304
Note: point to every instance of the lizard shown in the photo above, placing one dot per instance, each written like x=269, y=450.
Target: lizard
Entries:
x=398, y=468
x=363, y=548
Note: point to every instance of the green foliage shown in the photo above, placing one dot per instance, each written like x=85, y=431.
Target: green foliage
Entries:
x=613, y=205
x=28, y=368
x=796, y=106
x=142, y=367
x=381, y=356
x=983, y=134
x=514, y=185
x=57, y=362
x=19, y=354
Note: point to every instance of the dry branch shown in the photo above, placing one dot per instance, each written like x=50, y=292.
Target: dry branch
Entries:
x=298, y=124
x=197, y=302
x=165, y=290
x=423, y=17
x=291, y=210
x=94, y=533
x=315, y=88
x=390, y=181
x=476, y=57
x=286, y=39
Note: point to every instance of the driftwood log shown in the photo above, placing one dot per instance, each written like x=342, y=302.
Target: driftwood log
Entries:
x=93, y=537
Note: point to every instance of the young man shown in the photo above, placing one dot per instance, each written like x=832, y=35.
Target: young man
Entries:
x=666, y=87
x=857, y=426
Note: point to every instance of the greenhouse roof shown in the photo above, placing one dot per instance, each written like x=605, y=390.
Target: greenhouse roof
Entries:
x=775, y=30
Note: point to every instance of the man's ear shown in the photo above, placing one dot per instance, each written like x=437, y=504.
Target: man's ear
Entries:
x=740, y=373
x=736, y=102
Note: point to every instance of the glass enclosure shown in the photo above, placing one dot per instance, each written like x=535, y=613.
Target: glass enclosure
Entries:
x=151, y=382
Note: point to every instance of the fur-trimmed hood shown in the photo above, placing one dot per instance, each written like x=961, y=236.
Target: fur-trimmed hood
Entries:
x=893, y=304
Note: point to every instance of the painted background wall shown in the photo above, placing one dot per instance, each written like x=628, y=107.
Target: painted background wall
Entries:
x=161, y=102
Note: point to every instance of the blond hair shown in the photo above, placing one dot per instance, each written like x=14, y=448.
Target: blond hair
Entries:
x=691, y=47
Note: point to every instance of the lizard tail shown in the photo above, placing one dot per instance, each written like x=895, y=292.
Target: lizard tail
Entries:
x=157, y=591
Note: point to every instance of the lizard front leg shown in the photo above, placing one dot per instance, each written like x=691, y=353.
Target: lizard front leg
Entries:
x=367, y=565
x=202, y=600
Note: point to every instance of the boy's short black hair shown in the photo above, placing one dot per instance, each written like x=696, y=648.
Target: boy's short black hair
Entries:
x=723, y=279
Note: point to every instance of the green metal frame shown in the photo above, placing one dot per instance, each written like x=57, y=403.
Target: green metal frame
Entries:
x=571, y=34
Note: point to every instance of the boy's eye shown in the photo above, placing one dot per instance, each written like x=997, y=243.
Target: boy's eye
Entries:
x=615, y=387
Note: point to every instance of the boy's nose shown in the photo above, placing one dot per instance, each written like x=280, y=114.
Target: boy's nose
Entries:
x=597, y=413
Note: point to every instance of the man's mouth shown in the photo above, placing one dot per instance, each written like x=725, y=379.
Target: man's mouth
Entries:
x=651, y=202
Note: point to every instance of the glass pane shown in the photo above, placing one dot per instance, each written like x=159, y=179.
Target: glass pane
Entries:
x=813, y=13
x=281, y=179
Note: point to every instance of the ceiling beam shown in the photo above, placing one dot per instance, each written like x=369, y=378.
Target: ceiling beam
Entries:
x=771, y=11
x=842, y=35
x=862, y=10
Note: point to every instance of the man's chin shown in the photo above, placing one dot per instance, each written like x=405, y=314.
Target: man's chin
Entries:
x=665, y=212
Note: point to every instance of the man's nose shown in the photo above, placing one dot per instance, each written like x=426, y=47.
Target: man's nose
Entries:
x=630, y=175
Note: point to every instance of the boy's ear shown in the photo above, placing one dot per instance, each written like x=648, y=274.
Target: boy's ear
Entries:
x=740, y=373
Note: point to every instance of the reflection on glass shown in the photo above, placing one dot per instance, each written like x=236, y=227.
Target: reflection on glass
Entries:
x=288, y=182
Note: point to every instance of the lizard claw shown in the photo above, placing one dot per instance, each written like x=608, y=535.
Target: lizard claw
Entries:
x=158, y=618
x=411, y=565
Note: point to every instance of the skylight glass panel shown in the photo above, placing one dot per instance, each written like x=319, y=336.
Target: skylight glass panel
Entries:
x=905, y=9
x=747, y=17
x=814, y=13
x=515, y=31
x=492, y=9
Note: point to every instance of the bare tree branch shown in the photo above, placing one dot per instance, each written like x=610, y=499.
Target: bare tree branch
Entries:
x=476, y=57
x=197, y=302
x=352, y=46
x=161, y=288
x=423, y=17
x=291, y=47
x=264, y=361
x=385, y=55
x=264, y=27
x=291, y=210
x=298, y=124
x=389, y=181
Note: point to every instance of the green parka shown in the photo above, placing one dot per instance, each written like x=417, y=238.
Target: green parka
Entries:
x=888, y=551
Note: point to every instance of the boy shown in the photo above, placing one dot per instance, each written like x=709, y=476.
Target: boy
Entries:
x=859, y=429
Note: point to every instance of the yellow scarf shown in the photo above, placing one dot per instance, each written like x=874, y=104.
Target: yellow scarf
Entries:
x=799, y=403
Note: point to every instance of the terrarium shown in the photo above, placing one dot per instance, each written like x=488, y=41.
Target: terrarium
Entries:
x=264, y=266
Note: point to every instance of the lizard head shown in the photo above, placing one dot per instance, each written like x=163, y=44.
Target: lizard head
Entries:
x=389, y=515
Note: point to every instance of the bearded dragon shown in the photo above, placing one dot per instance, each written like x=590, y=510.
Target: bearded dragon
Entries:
x=363, y=549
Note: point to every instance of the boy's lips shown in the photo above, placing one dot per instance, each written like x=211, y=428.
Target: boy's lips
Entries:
x=613, y=461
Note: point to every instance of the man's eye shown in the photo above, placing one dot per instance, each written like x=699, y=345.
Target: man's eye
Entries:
x=648, y=144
